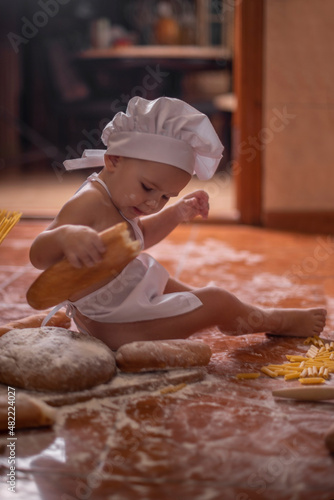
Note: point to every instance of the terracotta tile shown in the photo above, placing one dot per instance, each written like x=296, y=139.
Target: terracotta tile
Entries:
x=219, y=438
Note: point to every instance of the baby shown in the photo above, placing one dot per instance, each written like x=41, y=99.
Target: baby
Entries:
x=152, y=151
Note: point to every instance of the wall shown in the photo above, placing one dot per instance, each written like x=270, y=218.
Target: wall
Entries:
x=298, y=106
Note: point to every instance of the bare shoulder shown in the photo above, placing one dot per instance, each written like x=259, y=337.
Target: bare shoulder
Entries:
x=87, y=207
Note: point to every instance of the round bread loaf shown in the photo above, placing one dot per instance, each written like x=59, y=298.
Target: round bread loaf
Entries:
x=152, y=355
x=54, y=359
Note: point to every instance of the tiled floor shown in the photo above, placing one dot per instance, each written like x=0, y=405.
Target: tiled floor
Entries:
x=219, y=439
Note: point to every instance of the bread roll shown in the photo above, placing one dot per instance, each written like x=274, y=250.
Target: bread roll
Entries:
x=25, y=412
x=162, y=355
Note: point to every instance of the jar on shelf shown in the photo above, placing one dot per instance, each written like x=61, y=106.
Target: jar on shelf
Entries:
x=166, y=28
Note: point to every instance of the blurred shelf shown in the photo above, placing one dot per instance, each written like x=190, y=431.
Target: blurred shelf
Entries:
x=158, y=51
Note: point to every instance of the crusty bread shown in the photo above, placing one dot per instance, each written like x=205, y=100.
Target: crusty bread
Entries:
x=52, y=359
x=162, y=355
x=61, y=281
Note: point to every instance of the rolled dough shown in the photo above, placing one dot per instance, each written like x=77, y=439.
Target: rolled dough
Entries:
x=54, y=359
x=152, y=355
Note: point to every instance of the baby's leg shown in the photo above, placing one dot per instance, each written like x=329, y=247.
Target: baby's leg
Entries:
x=219, y=308
x=251, y=319
x=238, y=318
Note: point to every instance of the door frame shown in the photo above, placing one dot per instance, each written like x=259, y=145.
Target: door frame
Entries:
x=248, y=118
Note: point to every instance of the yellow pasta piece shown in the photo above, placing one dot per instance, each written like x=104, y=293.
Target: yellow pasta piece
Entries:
x=312, y=380
x=292, y=357
x=308, y=341
x=269, y=372
x=315, y=363
x=289, y=369
x=172, y=388
x=311, y=354
x=292, y=375
x=281, y=373
x=247, y=375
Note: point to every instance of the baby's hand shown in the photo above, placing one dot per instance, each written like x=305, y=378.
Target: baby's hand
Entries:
x=193, y=204
x=82, y=246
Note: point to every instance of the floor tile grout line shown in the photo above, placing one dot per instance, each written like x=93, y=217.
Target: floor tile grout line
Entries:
x=13, y=277
x=19, y=305
x=14, y=268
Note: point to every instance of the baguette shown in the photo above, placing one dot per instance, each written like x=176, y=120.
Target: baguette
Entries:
x=59, y=319
x=153, y=355
x=62, y=281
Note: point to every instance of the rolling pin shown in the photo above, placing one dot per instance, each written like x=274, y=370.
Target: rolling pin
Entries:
x=306, y=393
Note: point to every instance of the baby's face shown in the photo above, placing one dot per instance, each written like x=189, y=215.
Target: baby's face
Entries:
x=142, y=187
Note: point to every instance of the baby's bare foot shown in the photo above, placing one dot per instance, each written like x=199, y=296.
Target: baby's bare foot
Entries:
x=297, y=322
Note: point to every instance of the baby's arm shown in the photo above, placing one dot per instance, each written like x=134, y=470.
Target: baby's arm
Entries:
x=156, y=227
x=70, y=236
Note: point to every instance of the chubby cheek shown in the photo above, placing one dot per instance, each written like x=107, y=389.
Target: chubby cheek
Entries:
x=131, y=198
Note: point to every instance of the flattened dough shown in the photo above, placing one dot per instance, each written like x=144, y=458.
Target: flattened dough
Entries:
x=54, y=359
x=162, y=355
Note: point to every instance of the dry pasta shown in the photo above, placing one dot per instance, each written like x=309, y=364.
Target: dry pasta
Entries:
x=312, y=368
x=7, y=222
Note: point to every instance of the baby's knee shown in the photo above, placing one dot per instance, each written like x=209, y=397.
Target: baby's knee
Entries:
x=213, y=295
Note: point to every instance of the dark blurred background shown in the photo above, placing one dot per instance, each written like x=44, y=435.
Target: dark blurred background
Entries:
x=55, y=102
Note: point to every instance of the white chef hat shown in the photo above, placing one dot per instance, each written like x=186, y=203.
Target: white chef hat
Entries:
x=165, y=130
